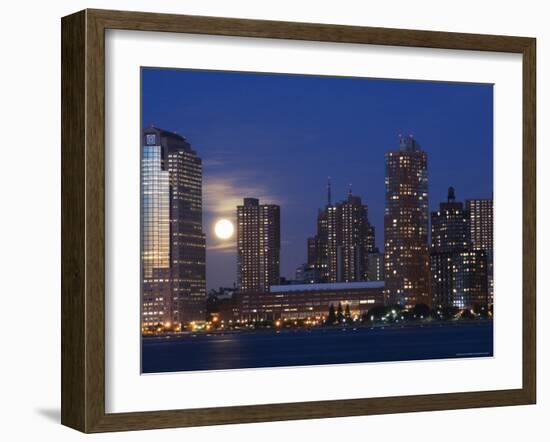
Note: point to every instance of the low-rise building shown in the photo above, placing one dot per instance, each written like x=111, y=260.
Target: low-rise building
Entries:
x=307, y=301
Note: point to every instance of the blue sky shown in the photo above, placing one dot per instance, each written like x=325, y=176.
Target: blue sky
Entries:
x=278, y=137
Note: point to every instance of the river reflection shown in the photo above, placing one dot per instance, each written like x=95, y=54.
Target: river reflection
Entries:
x=271, y=348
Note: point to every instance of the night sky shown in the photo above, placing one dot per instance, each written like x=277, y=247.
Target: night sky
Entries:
x=278, y=137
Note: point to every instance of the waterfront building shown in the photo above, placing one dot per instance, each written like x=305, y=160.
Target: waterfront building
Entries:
x=258, y=245
x=155, y=235
x=173, y=243
x=459, y=279
x=339, y=251
x=220, y=303
x=450, y=226
x=458, y=271
x=406, y=257
x=307, y=301
x=481, y=223
x=353, y=230
x=317, y=248
x=481, y=234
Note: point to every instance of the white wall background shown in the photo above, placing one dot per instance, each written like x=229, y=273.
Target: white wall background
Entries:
x=30, y=214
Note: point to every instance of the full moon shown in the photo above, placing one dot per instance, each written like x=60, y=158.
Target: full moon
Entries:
x=224, y=229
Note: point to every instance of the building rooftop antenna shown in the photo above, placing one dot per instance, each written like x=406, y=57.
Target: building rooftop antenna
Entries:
x=451, y=194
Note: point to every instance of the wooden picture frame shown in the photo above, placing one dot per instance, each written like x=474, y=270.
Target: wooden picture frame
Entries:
x=83, y=220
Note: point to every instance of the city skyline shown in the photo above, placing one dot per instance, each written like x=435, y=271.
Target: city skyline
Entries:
x=453, y=271
x=352, y=154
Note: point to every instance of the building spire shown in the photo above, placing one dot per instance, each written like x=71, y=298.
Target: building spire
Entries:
x=349, y=191
x=451, y=194
x=329, y=192
x=408, y=142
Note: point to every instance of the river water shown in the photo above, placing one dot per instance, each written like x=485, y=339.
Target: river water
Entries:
x=293, y=347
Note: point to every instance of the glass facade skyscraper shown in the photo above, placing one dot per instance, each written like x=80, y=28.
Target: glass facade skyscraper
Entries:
x=155, y=205
x=173, y=244
x=155, y=235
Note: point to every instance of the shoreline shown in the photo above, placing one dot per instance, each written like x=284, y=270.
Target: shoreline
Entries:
x=313, y=329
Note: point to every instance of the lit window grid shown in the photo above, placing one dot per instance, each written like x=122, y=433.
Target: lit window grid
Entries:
x=258, y=246
x=406, y=257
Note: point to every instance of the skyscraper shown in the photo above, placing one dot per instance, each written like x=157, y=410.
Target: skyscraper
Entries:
x=334, y=238
x=188, y=242
x=458, y=272
x=339, y=250
x=172, y=229
x=406, y=225
x=481, y=233
x=258, y=245
x=317, y=248
x=352, y=231
x=155, y=235
x=450, y=226
x=481, y=223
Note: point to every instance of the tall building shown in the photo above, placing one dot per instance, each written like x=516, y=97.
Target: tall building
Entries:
x=450, y=226
x=339, y=251
x=406, y=256
x=173, y=243
x=481, y=233
x=155, y=235
x=459, y=279
x=458, y=271
x=353, y=230
x=188, y=248
x=258, y=245
x=317, y=248
x=334, y=238
x=481, y=223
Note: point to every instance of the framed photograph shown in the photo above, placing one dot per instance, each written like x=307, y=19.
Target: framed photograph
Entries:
x=268, y=220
